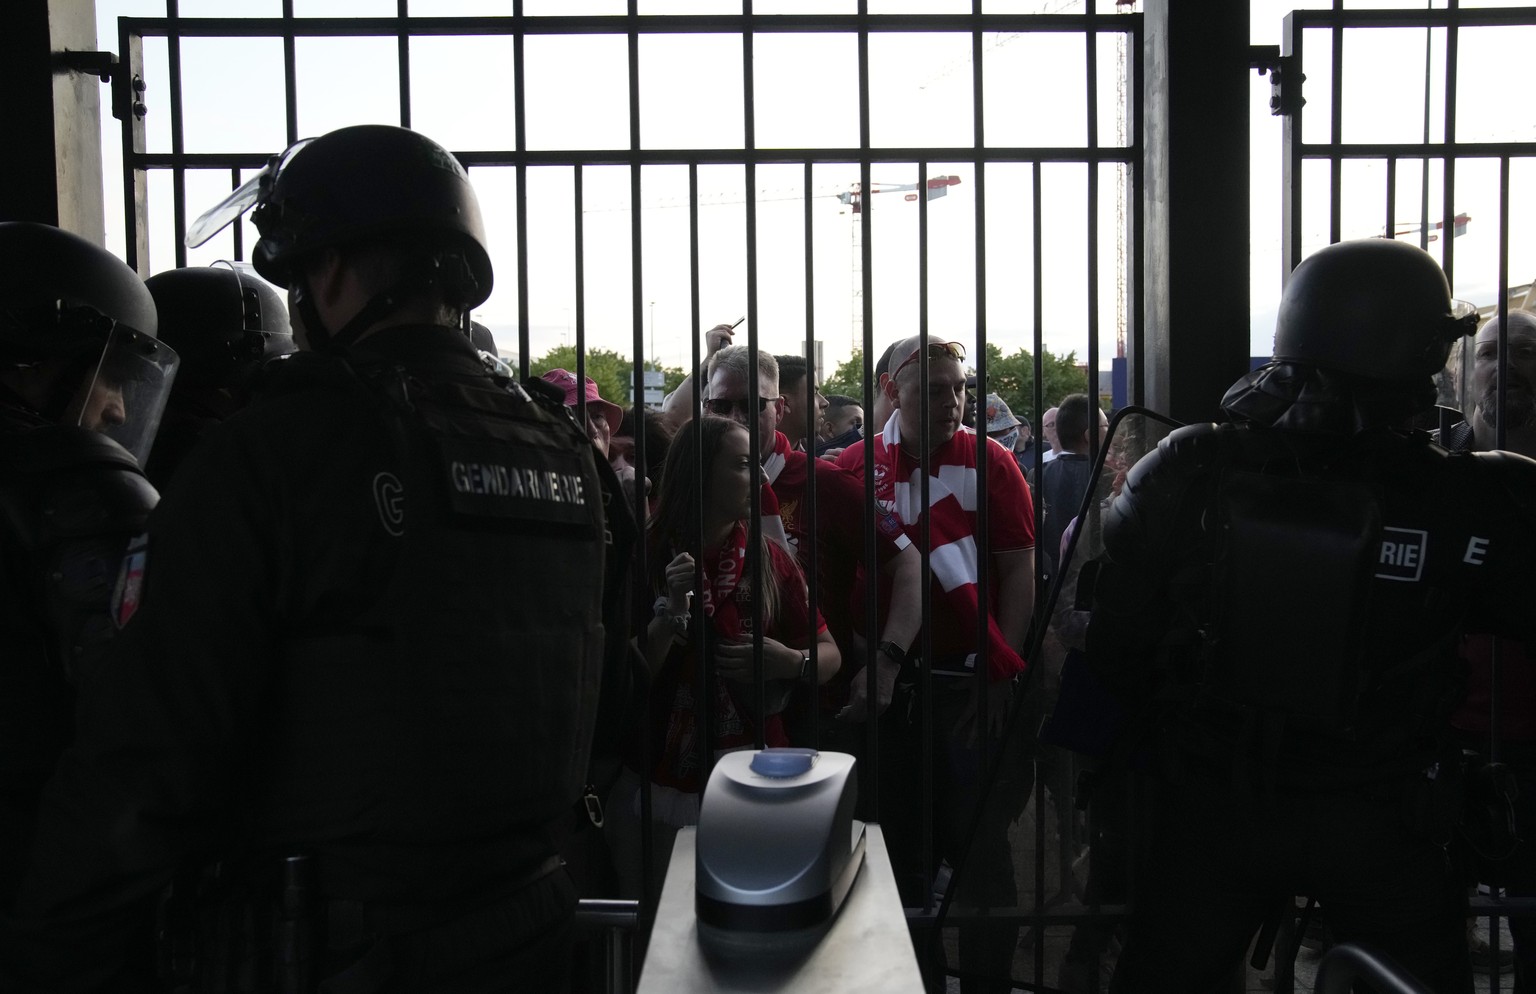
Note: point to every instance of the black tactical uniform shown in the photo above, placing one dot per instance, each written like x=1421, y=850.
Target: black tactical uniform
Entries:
x=365, y=670
x=1280, y=602
x=71, y=497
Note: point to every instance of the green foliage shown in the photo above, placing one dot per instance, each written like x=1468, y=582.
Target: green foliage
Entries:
x=613, y=373
x=1012, y=377
x=848, y=377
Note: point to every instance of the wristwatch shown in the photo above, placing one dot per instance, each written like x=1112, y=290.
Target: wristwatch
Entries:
x=894, y=652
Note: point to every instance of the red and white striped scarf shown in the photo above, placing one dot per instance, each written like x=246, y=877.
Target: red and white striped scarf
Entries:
x=768, y=506
x=951, y=528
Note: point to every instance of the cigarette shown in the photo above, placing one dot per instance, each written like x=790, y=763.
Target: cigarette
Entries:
x=739, y=320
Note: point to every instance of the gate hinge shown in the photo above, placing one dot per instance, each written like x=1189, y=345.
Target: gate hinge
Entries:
x=1285, y=78
x=127, y=90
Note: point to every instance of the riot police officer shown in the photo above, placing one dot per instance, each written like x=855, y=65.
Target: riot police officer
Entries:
x=364, y=670
x=82, y=380
x=1279, y=606
x=224, y=321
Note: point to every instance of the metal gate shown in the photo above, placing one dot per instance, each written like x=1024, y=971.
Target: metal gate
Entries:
x=1029, y=196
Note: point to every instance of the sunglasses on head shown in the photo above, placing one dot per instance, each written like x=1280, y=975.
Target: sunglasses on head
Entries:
x=724, y=408
x=936, y=350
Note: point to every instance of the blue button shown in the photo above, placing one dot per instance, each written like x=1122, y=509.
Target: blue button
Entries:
x=785, y=762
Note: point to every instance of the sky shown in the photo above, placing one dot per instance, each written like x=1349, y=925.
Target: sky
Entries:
x=806, y=95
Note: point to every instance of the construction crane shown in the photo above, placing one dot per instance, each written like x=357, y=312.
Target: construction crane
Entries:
x=853, y=199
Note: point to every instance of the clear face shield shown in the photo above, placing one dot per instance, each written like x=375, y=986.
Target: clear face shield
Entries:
x=1453, y=384
x=221, y=215
x=122, y=393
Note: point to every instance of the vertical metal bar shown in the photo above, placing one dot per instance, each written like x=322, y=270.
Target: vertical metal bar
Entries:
x=1391, y=225
x=983, y=505
x=581, y=293
x=1336, y=126
x=291, y=75
x=403, y=14
x=238, y=228
x=872, y=587
x=636, y=235
x=1502, y=312
x=178, y=138
x=1093, y=236
x=1137, y=374
x=520, y=137
x=925, y=537
x=754, y=548
x=695, y=634
x=1291, y=36
x=1500, y=426
x=983, y=671
x=135, y=183
x=1424, y=181
x=1448, y=202
x=813, y=550
x=1037, y=242
x=1037, y=236
x=694, y=307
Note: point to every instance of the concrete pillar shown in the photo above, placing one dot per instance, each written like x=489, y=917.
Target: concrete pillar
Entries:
x=51, y=117
x=1195, y=205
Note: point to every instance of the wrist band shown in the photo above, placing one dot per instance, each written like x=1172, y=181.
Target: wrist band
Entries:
x=896, y=653
x=805, y=665
x=678, y=622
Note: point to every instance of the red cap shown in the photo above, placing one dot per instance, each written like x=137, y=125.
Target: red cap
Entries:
x=566, y=380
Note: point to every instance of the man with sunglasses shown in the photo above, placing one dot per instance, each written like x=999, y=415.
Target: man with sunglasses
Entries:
x=971, y=686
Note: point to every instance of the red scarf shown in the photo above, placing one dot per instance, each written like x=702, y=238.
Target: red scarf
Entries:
x=951, y=527
x=728, y=606
x=773, y=466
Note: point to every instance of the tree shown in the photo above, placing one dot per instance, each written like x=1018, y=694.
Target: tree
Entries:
x=847, y=378
x=1013, y=378
x=613, y=373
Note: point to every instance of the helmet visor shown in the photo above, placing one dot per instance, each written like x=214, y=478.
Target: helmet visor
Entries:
x=218, y=217
x=123, y=394
x=1453, y=384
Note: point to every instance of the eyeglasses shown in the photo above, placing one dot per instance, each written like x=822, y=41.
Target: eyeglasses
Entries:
x=936, y=350
x=725, y=408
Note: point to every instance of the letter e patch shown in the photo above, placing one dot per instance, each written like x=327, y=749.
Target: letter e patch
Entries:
x=1401, y=556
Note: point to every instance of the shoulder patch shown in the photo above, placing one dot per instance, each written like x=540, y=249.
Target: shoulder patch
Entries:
x=130, y=581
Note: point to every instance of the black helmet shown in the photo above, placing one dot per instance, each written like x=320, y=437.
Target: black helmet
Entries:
x=223, y=320
x=77, y=336
x=365, y=182
x=482, y=338
x=485, y=343
x=1372, y=308
x=60, y=293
